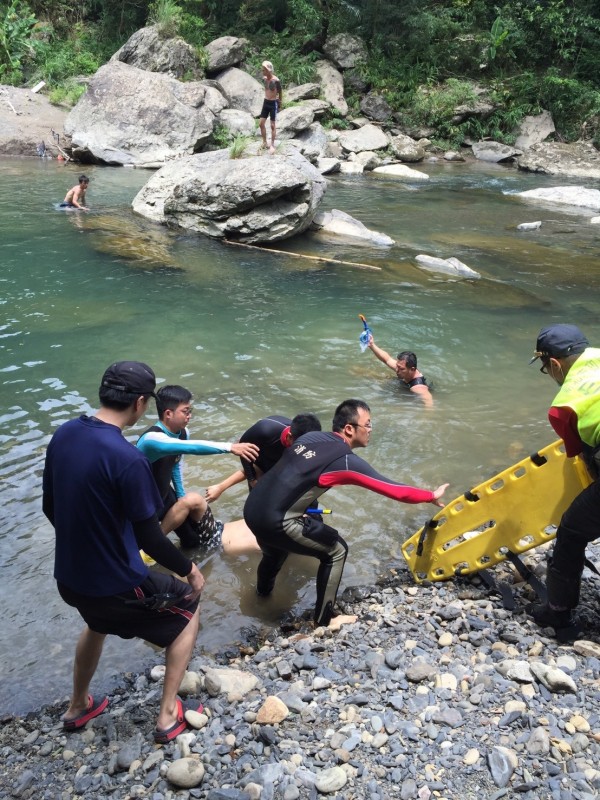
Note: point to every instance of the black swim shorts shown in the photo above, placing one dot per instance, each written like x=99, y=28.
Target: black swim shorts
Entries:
x=127, y=616
x=269, y=109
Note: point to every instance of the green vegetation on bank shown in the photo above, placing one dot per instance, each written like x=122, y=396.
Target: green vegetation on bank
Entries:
x=425, y=57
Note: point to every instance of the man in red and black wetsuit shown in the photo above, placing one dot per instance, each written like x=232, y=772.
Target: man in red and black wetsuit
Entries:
x=575, y=416
x=275, y=510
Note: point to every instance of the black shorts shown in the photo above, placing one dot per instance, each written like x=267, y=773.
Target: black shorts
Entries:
x=269, y=109
x=114, y=615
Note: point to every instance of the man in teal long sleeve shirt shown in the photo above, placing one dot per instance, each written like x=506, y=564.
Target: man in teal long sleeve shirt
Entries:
x=164, y=444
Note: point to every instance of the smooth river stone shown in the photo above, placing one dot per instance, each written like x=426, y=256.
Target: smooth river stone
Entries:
x=272, y=710
x=502, y=763
x=331, y=780
x=195, y=719
x=186, y=773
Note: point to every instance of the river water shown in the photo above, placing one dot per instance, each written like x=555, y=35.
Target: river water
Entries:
x=253, y=333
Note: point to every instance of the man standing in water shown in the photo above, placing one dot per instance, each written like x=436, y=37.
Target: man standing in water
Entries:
x=277, y=509
x=75, y=197
x=101, y=498
x=272, y=103
x=575, y=416
x=405, y=367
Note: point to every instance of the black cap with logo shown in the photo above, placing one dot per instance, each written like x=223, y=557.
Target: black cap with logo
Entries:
x=133, y=377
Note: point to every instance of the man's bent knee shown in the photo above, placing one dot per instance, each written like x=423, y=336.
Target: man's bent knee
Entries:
x=193, y=502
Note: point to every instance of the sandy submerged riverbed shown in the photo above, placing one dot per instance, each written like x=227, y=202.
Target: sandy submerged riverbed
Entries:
x=436, y=691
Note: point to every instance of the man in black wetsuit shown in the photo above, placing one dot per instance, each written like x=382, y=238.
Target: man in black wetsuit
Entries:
x=272, y=435
x=405, y=367
x=275, y=510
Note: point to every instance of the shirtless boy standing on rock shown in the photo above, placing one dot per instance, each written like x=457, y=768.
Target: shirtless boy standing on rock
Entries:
x=271, y=104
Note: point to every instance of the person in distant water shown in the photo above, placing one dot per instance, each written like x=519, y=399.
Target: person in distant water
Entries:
x=102, y=501
x=271, y=105
x=164, y=444
x=567, y=357
x=272, y=435
x=282, y=510
x=75, y=197
x=405, y=367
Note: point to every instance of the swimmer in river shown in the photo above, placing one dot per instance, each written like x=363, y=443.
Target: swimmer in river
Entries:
x=75, y=197
x=405, y=367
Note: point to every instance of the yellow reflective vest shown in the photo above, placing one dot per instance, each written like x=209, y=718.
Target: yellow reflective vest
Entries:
x=581, y=392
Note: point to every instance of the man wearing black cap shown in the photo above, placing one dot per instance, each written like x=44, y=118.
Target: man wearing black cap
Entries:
x=101, y=498
x=575, y=416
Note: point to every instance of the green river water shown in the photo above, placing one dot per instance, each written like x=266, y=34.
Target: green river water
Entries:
x=253, y=333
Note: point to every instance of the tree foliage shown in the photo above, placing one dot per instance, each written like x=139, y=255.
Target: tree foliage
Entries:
x=528, y=52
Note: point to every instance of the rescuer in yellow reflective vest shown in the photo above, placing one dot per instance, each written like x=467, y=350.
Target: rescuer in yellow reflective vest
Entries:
x=566, y=356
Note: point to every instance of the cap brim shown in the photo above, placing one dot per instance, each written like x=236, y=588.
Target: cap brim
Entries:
x=535, y=358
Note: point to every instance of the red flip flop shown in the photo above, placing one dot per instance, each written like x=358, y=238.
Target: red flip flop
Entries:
x=93, y=710
x=193, y=705
x=167, y=735
x=162, y=737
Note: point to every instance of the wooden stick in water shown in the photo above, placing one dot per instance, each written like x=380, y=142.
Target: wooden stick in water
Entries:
x=303, y=255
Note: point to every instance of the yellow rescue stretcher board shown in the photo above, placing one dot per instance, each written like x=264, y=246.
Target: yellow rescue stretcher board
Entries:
x=516, y=510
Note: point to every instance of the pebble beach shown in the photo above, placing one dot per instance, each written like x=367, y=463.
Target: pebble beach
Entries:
x=436, y=691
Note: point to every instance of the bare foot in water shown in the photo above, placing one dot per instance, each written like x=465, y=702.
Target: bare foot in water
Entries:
x=342, y=619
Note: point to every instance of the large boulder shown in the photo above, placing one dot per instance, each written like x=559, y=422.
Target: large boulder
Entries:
x=369, y=137
x=577, y=160
x=306, y=91
x=494, y=151
x=327, y=166
x=318, y=107
x=401, y=171
x=261, y=198
x=225, y=52
x=332, y=86
x=345, y=50
x=406, y=149
x=338, y=223
x=291, y=121
x=534, y=130
x=131, y=116
x=242, y=90
x=479, y=109
x=577, y=196
x=237, y=122
x=312, y=142
x=376, y=107
x=149, y=49
x=447, y=266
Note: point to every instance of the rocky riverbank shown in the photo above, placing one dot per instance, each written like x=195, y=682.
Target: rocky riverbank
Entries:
x=436, y=691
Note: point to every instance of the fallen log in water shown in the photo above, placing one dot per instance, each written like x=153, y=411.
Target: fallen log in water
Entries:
x=357, y=264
